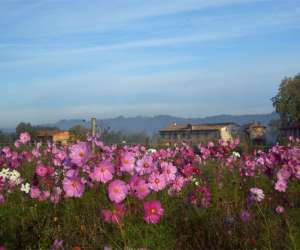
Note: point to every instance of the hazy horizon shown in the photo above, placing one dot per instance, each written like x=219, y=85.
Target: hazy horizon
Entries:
x=192, y=58
x=87, y=119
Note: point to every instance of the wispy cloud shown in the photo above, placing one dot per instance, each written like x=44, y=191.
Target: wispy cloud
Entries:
x=194, y=57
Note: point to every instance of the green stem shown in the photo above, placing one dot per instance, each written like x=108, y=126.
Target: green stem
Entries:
x=267, y=225
x=290, y=234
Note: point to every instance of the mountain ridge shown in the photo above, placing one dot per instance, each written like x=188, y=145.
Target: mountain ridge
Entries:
x=152, y=124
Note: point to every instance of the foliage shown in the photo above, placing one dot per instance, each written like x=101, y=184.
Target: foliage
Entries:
x=109, y=136
x=214, y=198
x=78, y=132
x=24, y=127
x=287, y=101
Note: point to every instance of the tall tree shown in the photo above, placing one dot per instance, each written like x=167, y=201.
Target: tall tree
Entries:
x=24, y=127
x=78, y=132
x=287, y=101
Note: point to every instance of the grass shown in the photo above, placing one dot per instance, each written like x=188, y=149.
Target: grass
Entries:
x=29, y=224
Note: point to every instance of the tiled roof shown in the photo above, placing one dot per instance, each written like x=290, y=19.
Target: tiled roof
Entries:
x=49, y=133
x=195, y=127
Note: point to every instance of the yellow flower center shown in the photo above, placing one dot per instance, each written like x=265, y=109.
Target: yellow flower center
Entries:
x=74, y=184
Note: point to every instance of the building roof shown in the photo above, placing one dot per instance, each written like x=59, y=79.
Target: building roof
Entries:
x=196, y=127
x=49, y=133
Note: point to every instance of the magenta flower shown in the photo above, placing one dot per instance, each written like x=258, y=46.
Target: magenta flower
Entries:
x=80, y=153
x=41, y=170
x=245, y=216
x=24, y=138
x=57, y=244
x=279, y=209
x=142, y=190
x=117, y=191
x=152, y=211
x=73, y=187
x=144, y=165
x=127, y=162
x=169, y=171
x=157, y=181
x=134, y=182
x=281, y=185
x=56, y=194
x=103, y=172
x=35, y=192
x=283, y=174
x=1, y=199
x=257, y=194
x=114, y=216
x=178, y=183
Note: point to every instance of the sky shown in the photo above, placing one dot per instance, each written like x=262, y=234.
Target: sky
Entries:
x=62, y=59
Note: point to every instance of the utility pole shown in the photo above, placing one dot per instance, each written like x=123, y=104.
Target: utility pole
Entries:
x=93, y=130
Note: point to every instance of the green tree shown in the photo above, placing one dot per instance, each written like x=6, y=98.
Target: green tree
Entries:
x=24, y=127
x=287, y=101
x=78, y=132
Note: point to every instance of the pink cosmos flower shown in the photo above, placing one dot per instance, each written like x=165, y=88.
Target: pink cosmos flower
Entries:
x=178, y=183
x=279, y=209
x=283, y=174
x=73, y=187
x=142, y=190
x=44, y=195
x=257, y=194
x=144, y=165
x=80, y=153
x=169, y=171
x=103, y=172
x=24, y=138
x=41, y=170
x=114, y=216
x=55, y=196
x=152, y=211
x=157, y=181
x=17, y=143
x=117, y=191
x=127, y=162
x=35, y=192
x=281, y=185
x=134, y=182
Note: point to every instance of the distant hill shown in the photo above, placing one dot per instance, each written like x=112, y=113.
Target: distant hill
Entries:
x=152, y=125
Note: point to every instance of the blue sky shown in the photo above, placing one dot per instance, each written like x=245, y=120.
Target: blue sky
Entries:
x=192, y=58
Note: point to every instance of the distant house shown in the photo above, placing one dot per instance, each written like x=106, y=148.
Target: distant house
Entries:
x=56, y=136
x=293, y=130
x=199, y=132
x=256, y=133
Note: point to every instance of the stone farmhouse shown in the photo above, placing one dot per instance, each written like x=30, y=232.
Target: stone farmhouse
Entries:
x=196, y=133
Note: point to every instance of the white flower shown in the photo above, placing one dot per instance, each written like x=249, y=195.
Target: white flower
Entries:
x=25, y=188
x=15, y=176
x=236, y=154
x=5, y=173
x=151, y=150
x=9, y=175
